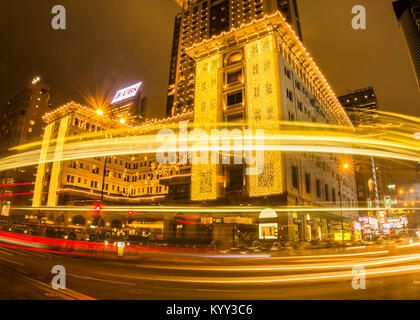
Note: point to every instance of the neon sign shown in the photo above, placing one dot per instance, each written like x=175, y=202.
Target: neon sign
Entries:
x=126, y=93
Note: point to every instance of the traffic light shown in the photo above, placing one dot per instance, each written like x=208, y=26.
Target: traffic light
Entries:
x=130, y=213
x=98, y=208
x=387, y=202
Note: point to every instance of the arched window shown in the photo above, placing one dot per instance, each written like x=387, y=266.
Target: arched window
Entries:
x=234, y=58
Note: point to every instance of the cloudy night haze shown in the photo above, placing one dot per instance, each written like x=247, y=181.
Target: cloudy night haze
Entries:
x=210, y=150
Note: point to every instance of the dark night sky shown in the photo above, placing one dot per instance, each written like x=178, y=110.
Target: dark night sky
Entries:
x=112, y=43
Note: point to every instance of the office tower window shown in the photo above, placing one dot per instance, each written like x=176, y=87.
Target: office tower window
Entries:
x=219, y=18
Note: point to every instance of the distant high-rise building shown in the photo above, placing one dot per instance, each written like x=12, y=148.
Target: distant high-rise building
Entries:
x=21, y=115
x=361, y=106
x=127, y=103
x=21, y=123
x=408, y=16
x=143, y=108
x=203, y=19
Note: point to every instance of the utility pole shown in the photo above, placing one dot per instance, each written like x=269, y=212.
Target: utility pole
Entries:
x=341, y=208
x=103, y=180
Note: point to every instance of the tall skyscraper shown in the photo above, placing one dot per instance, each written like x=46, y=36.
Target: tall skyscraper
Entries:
x=408, y=16
x=21, y=122
x=203, y=19
x=21, y=115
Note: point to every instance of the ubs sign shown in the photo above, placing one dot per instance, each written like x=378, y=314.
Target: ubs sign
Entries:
x=126, y=93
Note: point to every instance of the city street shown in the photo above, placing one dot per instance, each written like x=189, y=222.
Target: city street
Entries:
x=391, y=275
x=183, y=150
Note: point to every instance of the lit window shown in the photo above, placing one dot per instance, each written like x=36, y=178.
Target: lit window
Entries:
x=233, y=77
x=234, y=58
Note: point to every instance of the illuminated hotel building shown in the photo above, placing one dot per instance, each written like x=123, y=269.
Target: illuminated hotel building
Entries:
x=260, y=74
x=203, y=19
x=108, y=180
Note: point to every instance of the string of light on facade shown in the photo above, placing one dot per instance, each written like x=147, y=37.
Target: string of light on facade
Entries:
x=321, y=82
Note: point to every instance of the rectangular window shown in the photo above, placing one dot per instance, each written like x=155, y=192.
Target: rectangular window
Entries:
x=327, y=193
x=318, y=188
x=295, y=177
x=234, y=98
x=291, y=116
x=308, y=183
x=233, y=77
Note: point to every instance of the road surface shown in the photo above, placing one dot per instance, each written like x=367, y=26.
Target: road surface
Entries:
x=391, y=274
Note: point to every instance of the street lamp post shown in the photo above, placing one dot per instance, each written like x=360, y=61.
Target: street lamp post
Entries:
x=341, y=208
x=103, y=180
x=340, y=176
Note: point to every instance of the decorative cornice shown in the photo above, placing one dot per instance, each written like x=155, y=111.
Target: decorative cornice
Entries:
x=92, y=113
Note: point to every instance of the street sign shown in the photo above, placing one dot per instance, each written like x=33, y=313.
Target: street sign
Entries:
x=120, y=249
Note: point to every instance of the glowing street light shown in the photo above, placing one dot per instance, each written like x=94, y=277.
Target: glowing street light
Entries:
x=99, y=112
x=401, y=191
x=122, y=120
x=36, y=80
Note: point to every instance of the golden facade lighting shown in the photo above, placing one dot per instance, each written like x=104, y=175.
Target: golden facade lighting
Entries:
x=56, y=167
x=203, y=180
x=276, y=24
x=39, y=181
x=263, y=109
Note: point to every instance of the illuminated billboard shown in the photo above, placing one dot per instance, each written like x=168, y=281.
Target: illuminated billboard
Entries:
x=126, y=93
